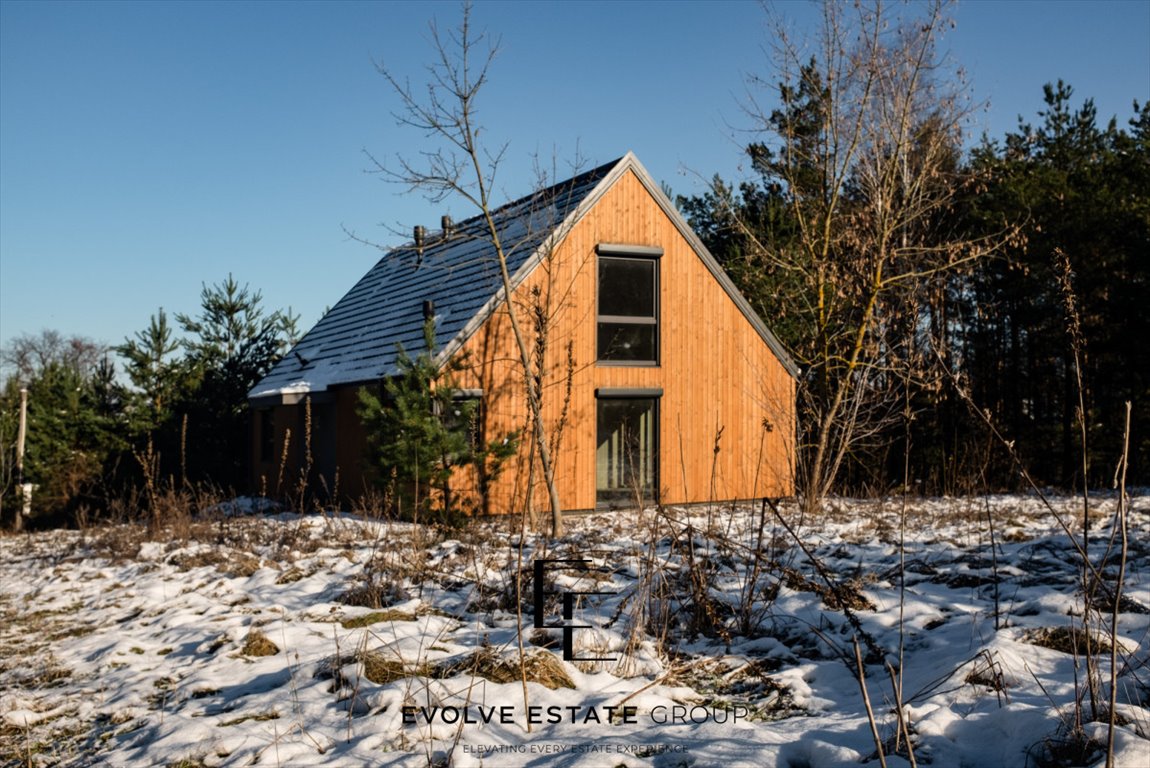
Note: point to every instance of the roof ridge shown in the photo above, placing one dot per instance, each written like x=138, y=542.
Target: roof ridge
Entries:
x=512, y=207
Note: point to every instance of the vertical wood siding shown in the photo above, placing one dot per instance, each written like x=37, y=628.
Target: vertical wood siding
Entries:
x=722, y=386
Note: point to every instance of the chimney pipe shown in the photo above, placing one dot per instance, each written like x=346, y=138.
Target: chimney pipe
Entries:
x=417, y=234
x=448, y=227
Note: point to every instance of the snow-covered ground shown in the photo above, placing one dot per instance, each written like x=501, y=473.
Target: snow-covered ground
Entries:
x=285, y=640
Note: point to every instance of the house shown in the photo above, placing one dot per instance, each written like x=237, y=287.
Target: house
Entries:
x=666, y=382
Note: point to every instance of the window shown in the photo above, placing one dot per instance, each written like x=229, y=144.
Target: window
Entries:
x=627, y=447
x=628, y=317
x=464, y=415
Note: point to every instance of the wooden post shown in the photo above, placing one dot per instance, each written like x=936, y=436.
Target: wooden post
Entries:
x=25, y=492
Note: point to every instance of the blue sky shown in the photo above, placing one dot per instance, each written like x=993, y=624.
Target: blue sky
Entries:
x=147, y=148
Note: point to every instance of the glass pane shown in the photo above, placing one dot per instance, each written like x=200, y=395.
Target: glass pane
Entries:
x=627, y=341
x=626, y=287
x=626, y=459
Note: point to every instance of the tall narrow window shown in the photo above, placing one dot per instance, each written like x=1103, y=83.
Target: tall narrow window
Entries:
x=628, y=319
x=627, y=453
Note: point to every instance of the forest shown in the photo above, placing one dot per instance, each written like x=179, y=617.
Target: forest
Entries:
x=1018, y=347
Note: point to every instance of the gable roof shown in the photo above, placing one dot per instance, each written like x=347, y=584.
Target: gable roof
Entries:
x=356, y=341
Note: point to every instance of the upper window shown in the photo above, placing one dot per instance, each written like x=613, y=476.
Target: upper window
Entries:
x=628, y=316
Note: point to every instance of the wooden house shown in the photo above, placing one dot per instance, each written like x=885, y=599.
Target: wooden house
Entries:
x=666, y=383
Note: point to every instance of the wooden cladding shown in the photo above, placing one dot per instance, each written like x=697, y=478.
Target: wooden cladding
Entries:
x=724, y=424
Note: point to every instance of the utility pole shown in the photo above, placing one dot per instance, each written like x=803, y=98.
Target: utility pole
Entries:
x=25, y=505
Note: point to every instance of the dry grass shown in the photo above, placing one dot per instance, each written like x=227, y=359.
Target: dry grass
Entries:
x=1070, y=639
x=379, y=668
x=724, y=685
x=373, y=593
x=846, y=594
x=259, y=718
x=47, y=743
x=188, y=762
x=227, y=561
x=539, y=667
x=375, y=617
x=291, y=576
x=258, y=644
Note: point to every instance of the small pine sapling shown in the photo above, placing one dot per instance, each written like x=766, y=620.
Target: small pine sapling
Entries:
x=421, y=432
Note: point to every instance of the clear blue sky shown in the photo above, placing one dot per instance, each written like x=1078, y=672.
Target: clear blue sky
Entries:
x=146, y=148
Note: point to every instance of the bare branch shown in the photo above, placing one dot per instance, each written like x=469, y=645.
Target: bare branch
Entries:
x=446, y=111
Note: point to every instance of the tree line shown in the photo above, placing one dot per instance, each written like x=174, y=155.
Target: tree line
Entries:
x=95, y=442
x=1014, y=298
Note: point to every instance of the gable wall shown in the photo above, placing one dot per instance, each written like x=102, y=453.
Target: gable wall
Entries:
x=715, y=371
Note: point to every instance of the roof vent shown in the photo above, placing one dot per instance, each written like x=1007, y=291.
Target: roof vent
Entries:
x=419, y=235
x=428, y=309
x=448, y=227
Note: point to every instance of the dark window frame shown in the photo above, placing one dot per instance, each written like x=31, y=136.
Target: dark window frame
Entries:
x=624, y=497
x=611, y=252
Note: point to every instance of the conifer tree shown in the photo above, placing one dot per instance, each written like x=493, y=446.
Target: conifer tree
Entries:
x=155, y=371
x=1079, y=191
x=421, y=432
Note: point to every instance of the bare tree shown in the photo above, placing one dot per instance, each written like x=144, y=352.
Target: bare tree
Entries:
x=865, y=147
x=445, y=110
x=27, y=355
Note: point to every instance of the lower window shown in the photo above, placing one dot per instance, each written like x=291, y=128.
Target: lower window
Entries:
x=627, y=453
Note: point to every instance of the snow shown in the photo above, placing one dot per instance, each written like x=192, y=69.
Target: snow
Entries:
x=123, y=651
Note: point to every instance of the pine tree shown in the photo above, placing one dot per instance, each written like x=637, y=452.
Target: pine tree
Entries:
x=155, y=371
x=228, y=348
x=74, y=433
x=1080, y=193
x=191, y=404
x=421, y=432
